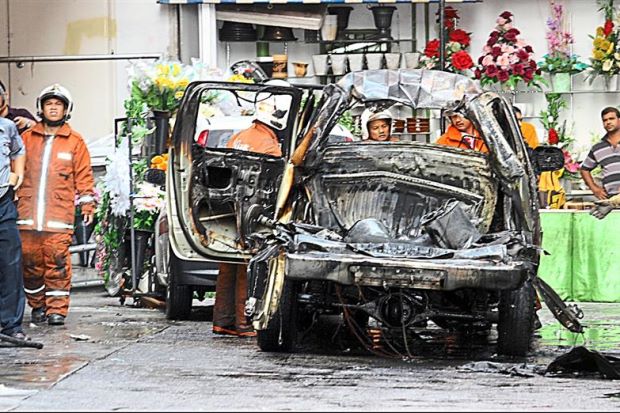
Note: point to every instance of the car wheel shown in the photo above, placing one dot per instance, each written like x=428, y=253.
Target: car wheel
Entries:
x=516, y=315
x=281, y=333
x=178, y=297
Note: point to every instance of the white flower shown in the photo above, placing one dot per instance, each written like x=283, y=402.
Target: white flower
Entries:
x=607, y=64
x=116, y=179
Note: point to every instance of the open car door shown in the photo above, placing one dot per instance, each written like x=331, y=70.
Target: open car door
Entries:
x=217, y=195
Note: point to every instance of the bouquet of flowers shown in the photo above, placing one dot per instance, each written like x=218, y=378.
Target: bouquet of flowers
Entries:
x=605, y=58
x=559, y=41
x=147, y=205
x=457, y=41
x=506, y=58
x=557, y=134
x=159, y=85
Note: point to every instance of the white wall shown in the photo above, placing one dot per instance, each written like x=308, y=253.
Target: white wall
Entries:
x=81, y=27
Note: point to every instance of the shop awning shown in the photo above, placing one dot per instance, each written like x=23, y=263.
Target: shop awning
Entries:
x=307, y=1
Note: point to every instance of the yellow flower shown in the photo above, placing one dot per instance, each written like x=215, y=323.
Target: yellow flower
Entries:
x=597, y=41
x=605, y=44
x=163, y=70
x=179, y=95
x=176, y=69
x=183, y=83
x=611, y=47
x=600, y=31
x=598, y=54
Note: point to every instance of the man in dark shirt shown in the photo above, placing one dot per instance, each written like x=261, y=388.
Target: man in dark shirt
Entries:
x=21, y=117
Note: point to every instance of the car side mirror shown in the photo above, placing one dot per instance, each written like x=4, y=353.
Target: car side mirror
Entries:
x=547, y=158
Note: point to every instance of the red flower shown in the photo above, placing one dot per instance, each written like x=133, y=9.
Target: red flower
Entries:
x=449, y=24
x=511, y=35
x=477, y=73
x=432, y=48
x=522, y=54
x=460, y=36
x=451, y=13
x=528, y=75
x=491, y=71
x=518, y=69
x=496, y=51
x=506, y=15
x=553, y=138
x=609, y=27
x=461, y=60
x=503, y=75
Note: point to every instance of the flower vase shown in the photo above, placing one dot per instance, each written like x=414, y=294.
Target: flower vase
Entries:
x=156, y=142
x=561, y=82
x=141, y=244
x=611, y=83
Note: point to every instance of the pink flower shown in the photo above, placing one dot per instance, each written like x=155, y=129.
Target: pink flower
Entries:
x=488, y=60
x=486, y=49
x=514, y=59
x=501, y=21
x=506, y=48
x=503, y=61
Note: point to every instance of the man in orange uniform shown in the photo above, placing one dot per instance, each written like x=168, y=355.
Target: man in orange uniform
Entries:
x=58, y=167
x=527, y=130
x=462, y=134
x=231, y=290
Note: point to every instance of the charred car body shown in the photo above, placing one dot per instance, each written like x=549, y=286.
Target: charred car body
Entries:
x=389, y=235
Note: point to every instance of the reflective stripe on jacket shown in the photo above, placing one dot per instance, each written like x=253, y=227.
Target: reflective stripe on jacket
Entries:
x=57, y=168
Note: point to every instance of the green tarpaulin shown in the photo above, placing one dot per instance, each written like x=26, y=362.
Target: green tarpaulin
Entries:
x=584, y=264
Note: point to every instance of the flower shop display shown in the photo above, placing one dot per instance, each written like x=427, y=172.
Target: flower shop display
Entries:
x=156, y=89
x=507, y=59
x=457, y=41
x=605, y=60
x=559, y=62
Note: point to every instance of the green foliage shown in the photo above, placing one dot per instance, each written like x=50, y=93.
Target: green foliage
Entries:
x=347, y=121
x=558, y=63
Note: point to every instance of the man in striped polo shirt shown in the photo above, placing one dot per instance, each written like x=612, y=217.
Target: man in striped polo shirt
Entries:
x=605, y=153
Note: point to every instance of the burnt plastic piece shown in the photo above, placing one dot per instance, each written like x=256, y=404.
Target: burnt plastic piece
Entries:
x=449, y=227
x=547, y=158
x=582, y=360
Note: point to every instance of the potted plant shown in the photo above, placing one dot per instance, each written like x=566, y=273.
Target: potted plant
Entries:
x=605, y=60
x=560, y=63
x=456, y=42
x=507, y=59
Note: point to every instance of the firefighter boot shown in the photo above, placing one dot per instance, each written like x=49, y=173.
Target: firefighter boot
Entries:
x=37, y=315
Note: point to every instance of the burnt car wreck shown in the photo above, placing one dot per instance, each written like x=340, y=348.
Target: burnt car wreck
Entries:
x=389, y=235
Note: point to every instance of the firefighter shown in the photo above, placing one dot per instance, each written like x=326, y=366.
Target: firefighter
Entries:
x=57, y=168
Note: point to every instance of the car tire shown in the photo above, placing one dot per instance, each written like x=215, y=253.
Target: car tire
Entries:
x=280, y=336
x=178, y=297
x=516, y=317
